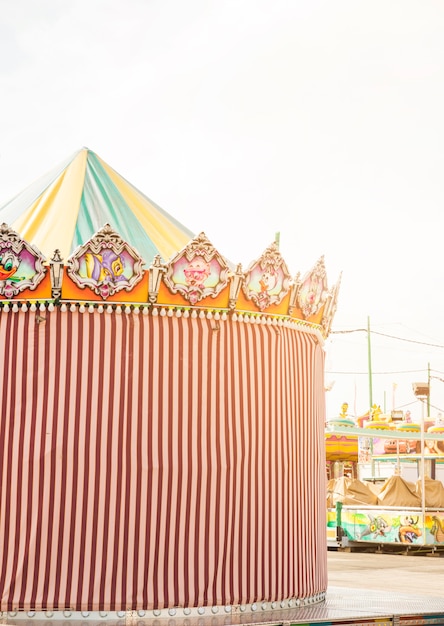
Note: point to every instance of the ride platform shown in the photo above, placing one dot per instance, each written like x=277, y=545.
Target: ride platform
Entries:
x=341, y=606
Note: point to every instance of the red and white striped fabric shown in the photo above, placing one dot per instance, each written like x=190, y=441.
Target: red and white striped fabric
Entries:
x=151, y=462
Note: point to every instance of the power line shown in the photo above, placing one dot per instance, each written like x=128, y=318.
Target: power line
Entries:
x=375, y=332
x=381, y=373
x=420, y=371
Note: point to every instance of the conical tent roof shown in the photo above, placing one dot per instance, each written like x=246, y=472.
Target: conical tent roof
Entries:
x=67, y=206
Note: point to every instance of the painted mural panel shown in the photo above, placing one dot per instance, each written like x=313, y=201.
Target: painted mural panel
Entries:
x=401, y=526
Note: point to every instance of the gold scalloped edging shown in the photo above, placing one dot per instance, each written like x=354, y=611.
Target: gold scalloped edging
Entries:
x=17, y=306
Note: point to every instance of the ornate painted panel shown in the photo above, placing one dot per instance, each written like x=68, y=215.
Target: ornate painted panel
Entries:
x=106, y=264
x=198, y=271
x=313, y=290
x=267, y=280
x=330, y=307
x=21, y=264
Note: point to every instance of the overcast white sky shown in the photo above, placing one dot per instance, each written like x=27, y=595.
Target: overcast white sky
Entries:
x=318, y=119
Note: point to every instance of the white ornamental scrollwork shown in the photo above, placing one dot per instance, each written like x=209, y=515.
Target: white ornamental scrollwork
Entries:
x=330, y=307
x=313, y=290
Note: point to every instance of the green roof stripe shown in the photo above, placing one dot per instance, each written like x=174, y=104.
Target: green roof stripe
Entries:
x=101, y=204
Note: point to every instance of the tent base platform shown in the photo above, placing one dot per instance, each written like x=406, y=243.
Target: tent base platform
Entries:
x=341, y=606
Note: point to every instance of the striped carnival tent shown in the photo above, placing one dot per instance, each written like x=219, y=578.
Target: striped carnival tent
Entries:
x=65, y=207
x=161, y=423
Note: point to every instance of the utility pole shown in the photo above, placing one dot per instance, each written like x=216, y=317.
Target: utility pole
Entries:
x=370, y=382
x=428, y=384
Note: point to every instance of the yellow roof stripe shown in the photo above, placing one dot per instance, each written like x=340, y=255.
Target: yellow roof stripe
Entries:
x=50, y=221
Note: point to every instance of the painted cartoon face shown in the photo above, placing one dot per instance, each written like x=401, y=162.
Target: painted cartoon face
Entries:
x=8, y=264
x=268, y=280
x=408, y=520
x=105, y=267
x=196, y=272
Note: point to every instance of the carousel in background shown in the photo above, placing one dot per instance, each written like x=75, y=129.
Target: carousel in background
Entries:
x=341, y=449
x=162, y=411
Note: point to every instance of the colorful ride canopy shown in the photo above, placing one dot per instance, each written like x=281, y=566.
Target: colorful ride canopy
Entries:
x=67, y=206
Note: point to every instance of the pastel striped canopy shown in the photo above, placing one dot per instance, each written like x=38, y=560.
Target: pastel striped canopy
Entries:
x=67, y=206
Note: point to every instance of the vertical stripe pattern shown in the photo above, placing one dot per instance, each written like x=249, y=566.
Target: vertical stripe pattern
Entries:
x=150, y=462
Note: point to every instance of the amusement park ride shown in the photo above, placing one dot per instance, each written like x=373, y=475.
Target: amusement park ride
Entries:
x=150, y=464
x=385, y=481
x=162, y=420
